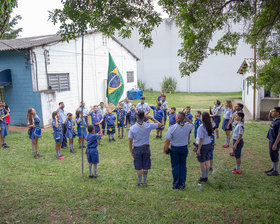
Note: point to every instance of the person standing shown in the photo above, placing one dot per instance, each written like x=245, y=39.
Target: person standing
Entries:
x=127, y=106
x=85, y=111
x=178, y=136
x=62, y=117
x=7, y=119
x=3, y=126
x=34, y=132
x=102, y=109
x=139, y=145
x=143, y=106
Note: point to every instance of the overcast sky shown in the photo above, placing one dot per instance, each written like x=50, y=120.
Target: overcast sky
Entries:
x=35, y=15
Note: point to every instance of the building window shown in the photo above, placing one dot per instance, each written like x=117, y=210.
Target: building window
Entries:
x=59, y=82
x=104, y=40
x=130, y=76
x=2, y=94
x=267, y=93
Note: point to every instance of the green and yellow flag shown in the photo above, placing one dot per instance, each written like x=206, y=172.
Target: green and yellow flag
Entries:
x=115, y=84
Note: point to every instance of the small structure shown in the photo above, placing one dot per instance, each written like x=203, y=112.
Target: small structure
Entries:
x=265, y=100
x=42, y=71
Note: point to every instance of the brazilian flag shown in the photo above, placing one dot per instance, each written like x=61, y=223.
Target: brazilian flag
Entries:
x=115, y=84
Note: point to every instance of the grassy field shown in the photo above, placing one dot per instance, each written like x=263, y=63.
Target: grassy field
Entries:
x=47, y=190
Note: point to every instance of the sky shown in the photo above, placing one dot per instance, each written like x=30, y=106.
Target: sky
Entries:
x=35, y=15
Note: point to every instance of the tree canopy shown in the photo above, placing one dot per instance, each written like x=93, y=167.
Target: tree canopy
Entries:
x=11, y=31
x=6, y=9
x=255, y=21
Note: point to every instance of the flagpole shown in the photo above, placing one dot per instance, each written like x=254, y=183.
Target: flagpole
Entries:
x=82, y=105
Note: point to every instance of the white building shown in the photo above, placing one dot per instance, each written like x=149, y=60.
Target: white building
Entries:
x=264, y=99
x=216, y=74
x=46, y=70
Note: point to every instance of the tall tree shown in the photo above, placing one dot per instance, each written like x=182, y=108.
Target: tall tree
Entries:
x=197, y=20
x=6, y=9
x=11, y=31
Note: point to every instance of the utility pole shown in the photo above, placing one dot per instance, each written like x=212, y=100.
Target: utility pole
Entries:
x=82, y=105
x=255, y=67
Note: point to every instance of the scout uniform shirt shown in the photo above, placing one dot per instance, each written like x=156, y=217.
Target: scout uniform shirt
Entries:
x=144, y=107
x=158, y=114
x=179, y=133
x=238, y=130
x=202, y=133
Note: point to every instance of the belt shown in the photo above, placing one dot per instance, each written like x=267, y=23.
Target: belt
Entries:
x=142, y=146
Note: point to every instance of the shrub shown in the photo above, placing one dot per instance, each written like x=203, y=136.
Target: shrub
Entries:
x=169, y=85
x=141, y=85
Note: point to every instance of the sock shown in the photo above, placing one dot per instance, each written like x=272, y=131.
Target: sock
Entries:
x=57, y=153
x=203, y=173
x=217, y=132
x=145, y=176
x=139, y=179
x=276, y=166
x=95, y=169
x=122, y=131
x=211, y=165
x=90, y=170
x=109, y=136
x=33, y=148
x=112, y=136
x=81, y=144
x=119, y=131
x=72, y=146
x=207, y=172
x=228, y=140
x=238, y=166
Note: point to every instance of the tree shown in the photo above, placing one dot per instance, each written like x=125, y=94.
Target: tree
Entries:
x=197, y=20
x=6, y=9
x=11, y=32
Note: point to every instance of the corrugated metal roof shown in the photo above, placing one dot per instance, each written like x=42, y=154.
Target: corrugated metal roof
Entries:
x=30, y=42
x=248, y=63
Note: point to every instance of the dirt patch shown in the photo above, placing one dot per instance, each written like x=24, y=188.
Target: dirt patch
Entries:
x=25, y=129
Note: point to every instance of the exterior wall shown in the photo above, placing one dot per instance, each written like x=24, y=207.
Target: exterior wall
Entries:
x=266, y=105
x=66, y=58
x=216, y=74
x=20, y=96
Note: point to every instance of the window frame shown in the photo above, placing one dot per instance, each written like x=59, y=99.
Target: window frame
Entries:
x=128, y=80
x=59, y=86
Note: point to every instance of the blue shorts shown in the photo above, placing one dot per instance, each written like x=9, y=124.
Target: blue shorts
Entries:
x=35, y=133
x=217, y=121
x=96, y=129
x=92, y=155
x=161, y=128
x=111, y=129
x=4, y=132
x=205, y=153
x=79, y=132
x=69, y=134
x=142, y=157
x=58, y=136
x=121, y=124
x=274, y=154
x=237, y=152
x=225, y=123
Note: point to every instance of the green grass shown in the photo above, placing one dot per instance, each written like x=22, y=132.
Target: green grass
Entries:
x=194, y=100
x=50, y=191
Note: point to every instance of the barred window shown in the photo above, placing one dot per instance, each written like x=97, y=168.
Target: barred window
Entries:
x=130, y=76
x=59, y=82
x=2, y=94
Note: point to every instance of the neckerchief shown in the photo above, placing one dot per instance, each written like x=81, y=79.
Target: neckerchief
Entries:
x=140, y=123
x=181, y=123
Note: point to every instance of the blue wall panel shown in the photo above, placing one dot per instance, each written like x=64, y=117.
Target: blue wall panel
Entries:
x=20, y=95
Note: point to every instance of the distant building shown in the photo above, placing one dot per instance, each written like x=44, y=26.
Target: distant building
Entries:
x=264, y=99
x=216, y=74
x=42, y=71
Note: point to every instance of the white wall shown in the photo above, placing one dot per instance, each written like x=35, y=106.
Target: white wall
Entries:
x=66, y=58
x=216, y=74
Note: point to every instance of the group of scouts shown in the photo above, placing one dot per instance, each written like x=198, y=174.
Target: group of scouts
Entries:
x=137, y=120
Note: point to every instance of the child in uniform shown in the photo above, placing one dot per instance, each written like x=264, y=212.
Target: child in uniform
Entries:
x=3, y=125
x=121, y=119
x=227, y=127
x=188, y=113
x=70, y=131
x=237, y=140
x=81, y=125
x=110, y=121
x=172, y=116
x=217, y=116
x=33, y=123
x=159, y=116
x=197, y=123
x=164, y=107
x=92, y=152
x=132, y=115
x=57, y=134
x=274, y=138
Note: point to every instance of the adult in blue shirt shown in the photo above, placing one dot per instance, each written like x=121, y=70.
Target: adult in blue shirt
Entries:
x=96, y=118
x=127, y=106
x=178, y=136
x=62, y=118
x=274, y=142
x=102, y=109
x=139, y=145
x=159, y=116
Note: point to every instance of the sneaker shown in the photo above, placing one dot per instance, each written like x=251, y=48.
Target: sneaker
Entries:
x=119, y=136
x=73, y=151
x=236, y=171
x=5, y=146
x=95, y=176
x=232, y=154
x=90, y=176
x=139, y=184
x=58, y=157
x=210, y=169
x=273, y=173
x=225, y=145
x=202, y=180
x=122, y=136
x=269, y=171
x=61, y=156
x=113, y=139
